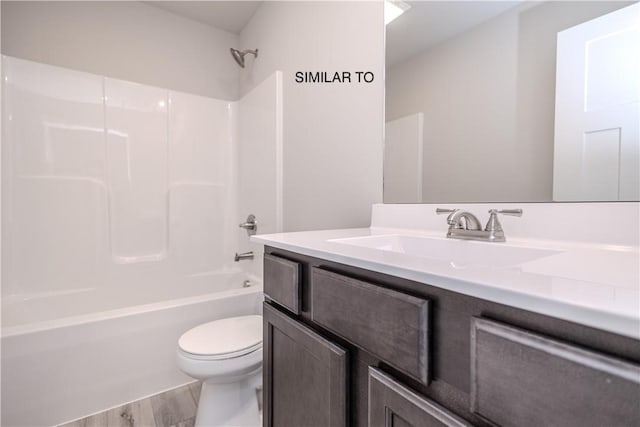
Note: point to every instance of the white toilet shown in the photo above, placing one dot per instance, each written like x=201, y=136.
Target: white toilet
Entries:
x=226, y=355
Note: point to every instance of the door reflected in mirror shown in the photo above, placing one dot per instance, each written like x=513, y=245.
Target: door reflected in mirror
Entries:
x=474, y=104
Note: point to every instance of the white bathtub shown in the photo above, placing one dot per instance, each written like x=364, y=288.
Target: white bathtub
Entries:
x=72, y=353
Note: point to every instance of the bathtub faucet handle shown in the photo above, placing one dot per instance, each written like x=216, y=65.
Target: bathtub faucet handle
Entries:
x=251, y=225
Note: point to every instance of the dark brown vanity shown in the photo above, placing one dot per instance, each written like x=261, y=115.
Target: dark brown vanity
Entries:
x=345, y=346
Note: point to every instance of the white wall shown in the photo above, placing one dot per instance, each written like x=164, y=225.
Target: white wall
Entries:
x=488, y=98
x=332, y=132
x=126, y=40
x=259, y=154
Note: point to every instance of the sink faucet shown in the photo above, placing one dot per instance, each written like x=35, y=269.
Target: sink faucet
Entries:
x=465, y=225
x=461, y=220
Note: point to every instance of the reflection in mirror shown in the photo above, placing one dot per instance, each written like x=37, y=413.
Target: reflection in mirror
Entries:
x=473, y=103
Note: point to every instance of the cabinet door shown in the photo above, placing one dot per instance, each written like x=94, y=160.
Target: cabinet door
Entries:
x=392, y=404
x=520, y=378
x=305, y=375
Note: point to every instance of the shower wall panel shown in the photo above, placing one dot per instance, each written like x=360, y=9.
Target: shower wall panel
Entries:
x=259, y=146
x=54, y=194
x=107, y=182
x=200, y=177
x=137, y=163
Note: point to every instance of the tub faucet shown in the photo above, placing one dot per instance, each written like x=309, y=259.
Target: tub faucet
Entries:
x=246, y=255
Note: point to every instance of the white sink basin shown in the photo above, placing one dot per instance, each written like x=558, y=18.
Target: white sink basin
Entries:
x=459, y=253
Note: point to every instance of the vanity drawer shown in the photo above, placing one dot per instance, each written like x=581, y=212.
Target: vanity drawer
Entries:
x=282, y=281
x=388, y=324
x=519, y=378
x=392, y=404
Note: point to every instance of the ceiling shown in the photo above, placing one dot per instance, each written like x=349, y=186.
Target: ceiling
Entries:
x=428, y=23
x=230, y=16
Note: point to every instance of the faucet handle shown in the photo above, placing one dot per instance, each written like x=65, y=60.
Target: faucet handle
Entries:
x=251, y=225
x=493, y=224
x=513, y=212
x=451, y=212
x=442, y=211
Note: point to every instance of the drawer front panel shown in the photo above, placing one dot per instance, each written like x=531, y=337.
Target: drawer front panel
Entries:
x=282, y=281
x=392, y=404
x=519, y=378
x=391, y=325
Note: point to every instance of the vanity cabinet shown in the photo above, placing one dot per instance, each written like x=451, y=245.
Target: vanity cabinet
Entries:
x=368, y=349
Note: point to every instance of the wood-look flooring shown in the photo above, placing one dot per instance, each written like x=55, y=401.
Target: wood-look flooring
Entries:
x=173, y=408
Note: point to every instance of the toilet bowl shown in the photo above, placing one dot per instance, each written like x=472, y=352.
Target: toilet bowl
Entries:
x=226, y=355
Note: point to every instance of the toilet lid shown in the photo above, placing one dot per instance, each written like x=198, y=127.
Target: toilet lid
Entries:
x=225, y=338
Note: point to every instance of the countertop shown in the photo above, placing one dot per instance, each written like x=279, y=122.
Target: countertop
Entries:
x=597, y=285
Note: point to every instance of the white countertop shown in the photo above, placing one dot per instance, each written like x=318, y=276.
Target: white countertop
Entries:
x=593, y=284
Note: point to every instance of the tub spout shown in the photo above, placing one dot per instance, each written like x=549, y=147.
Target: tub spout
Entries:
x=246, y=255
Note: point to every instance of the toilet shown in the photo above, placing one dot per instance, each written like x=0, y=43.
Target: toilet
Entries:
x=226, y=355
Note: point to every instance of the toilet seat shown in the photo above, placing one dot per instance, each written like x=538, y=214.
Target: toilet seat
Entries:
x=223, y=339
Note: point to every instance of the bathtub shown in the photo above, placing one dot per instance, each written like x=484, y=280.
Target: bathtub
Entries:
x=71, y=353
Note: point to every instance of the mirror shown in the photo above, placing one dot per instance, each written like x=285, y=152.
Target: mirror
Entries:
x=471, y=112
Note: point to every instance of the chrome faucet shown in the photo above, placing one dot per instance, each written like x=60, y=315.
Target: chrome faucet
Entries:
x=251, y=225
x=465, y=225
x=245, y=255
x=460, y=220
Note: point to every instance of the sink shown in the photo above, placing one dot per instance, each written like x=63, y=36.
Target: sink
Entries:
x=459, y=253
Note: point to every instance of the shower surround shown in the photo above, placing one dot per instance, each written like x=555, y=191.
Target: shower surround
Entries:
x=120, y=205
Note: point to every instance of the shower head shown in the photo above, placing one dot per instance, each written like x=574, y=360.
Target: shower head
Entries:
x=239, y=56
